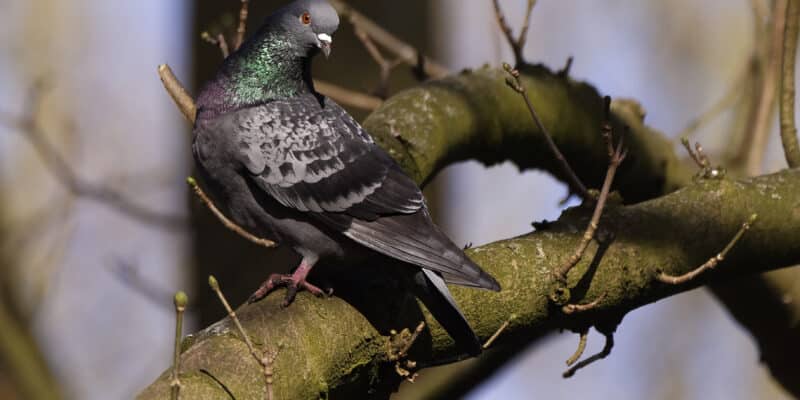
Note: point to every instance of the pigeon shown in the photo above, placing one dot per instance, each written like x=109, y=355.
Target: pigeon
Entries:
x=289, y=164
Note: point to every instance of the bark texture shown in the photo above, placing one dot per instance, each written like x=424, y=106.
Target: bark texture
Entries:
x=339, y=346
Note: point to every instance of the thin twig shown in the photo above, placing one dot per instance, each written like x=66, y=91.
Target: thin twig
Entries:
x=242, y=27
x=225, y=221
x=404, y=51
x=218, y=41
x=58, y=166
x=269, y=371
x=788, y=127
x=584, y=335
x=575, y=183
x=129, y=276
x=698, y=157
x=599, y=356
x=517, y=44
x=712, y=262
x=212, y=281
x=267, y=359
x=498, y=332
x=616, y=155
x=576, y=308
x=564, y=71
x=348, y=97
x=386, y=66
x=725, y=102
x=523, y=33
x=178, y=92
x=757, y=140
x=180, y=301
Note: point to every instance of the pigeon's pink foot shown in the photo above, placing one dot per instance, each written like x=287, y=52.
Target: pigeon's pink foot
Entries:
x=293, y=283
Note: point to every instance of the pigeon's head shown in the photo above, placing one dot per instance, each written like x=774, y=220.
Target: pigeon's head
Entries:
x=310, y=24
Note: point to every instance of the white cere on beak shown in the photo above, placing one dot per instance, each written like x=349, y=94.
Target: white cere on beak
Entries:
x=325, y=38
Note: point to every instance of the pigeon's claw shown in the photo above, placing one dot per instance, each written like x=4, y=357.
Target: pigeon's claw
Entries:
x=294, y=287
x=293, y=283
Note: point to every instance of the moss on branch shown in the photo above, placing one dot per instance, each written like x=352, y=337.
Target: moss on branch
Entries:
x=333, y=348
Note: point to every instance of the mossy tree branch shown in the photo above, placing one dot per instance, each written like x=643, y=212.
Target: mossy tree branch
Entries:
x=330, y=347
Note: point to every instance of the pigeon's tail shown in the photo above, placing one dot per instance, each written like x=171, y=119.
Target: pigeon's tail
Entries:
x=414, y=238
x=433, y=292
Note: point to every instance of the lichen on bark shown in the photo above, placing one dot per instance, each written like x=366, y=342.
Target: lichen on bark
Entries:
x=330, y=348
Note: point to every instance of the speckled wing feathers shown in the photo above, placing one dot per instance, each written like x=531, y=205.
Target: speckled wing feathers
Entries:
x=318, y=159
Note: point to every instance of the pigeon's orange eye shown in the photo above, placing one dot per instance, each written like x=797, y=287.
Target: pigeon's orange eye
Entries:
x=305, y=18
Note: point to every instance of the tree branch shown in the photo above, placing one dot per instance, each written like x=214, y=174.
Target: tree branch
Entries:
x=400, y=49
x=474, y=114
x=788, y=126
x=347, y=352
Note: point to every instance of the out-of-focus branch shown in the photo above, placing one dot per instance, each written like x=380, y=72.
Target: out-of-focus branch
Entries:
x=22, y=360
x=64, y=173
x=756, y=142
x=734, y=92
x=788, y=127
x=517, y=44
x=402, y=50
x=185, y=102
x=386, y=66
x=241, y=28
x=348, y=97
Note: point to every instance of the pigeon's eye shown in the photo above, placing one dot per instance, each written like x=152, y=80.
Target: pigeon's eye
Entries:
x=305, y=18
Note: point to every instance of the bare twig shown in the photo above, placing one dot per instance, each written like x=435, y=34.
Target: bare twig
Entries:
x=498, y=332
x=698, y=156
x=599, y=356
x=517, y=44
x=348, y=97
x=584, y=335
x=725, y=102
x=242, y=27
x=788, y=128
x=225, y=221
x=267, y=359
x=713, y=261
x=65, y=174
x=180, y=301
x=576, y=308
x=218, y=41
x=756, y=142
x=404, y=51
x=178, y=92
x=385, y=65
x=269, y=372
x=129, y=276
x=616, y=156
x=564, y=71
x=575, y=183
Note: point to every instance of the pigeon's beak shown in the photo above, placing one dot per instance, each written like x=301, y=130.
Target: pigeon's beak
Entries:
x=324, y=44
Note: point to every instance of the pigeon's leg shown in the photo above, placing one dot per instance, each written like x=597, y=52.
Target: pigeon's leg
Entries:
x=293, y=283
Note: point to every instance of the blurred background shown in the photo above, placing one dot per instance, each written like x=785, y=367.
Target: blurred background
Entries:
x=97, y=230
